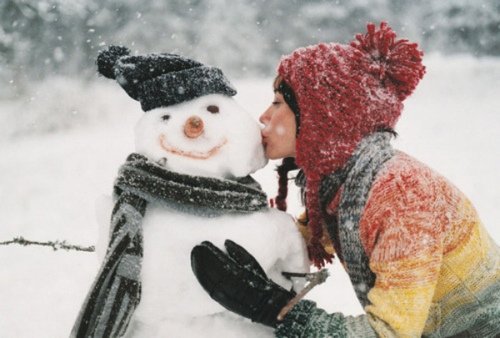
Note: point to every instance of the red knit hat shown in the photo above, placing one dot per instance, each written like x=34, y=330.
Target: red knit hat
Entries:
x=344, y=93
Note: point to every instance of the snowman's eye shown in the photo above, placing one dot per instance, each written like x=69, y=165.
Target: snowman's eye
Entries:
x=165, y=117
x=213, y=109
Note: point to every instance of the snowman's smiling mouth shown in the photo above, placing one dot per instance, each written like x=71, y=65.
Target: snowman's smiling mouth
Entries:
x=197, y=155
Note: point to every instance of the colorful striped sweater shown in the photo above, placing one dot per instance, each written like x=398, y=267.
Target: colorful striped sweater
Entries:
x=437, y=271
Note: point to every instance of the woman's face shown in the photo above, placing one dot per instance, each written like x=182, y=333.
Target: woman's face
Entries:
x=278, y=134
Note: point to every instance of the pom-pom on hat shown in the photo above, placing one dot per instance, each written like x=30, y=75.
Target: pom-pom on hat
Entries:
x=159, y=80
x=344, y=93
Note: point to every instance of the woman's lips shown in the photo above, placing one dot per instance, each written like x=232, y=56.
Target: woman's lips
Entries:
x=264, y=143
x=264, y=139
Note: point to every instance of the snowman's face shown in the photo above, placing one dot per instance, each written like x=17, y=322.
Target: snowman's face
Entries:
x=208, y=136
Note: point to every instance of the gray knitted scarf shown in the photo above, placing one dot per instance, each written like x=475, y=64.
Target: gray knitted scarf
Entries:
x=116, y=291
x=356, y=178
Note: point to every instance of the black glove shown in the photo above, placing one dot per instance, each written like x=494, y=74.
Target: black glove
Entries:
x=237, y=282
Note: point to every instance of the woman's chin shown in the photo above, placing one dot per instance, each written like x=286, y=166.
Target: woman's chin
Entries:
x=274, y=156
x=270, y=155
x=273, y=153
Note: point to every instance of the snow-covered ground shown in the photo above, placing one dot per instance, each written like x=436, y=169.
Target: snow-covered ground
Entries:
x=49, y=181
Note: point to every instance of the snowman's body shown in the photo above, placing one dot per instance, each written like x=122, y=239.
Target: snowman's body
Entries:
x=227, y=145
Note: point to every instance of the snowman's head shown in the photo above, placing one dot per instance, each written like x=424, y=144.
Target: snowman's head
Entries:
x=191, y=125
x=207, y=136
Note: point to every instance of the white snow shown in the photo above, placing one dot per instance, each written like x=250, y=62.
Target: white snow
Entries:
x=49, y=182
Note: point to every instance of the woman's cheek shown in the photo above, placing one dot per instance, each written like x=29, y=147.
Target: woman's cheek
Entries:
x=280, y=130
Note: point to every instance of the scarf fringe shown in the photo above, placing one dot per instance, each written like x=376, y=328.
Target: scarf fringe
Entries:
x=318, y=255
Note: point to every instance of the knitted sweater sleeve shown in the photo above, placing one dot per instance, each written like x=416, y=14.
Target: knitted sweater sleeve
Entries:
x=401, y=230
x=306, y=320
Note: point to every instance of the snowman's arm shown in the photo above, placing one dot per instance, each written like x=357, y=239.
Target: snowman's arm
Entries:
x=103, y=209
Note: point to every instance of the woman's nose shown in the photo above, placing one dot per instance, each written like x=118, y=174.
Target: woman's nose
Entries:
x=264, y=118
x=194, y=127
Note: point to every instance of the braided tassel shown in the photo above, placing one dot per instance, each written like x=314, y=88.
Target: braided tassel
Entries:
x=315, y=249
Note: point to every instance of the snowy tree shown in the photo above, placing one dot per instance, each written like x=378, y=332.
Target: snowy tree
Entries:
x=234, y=41
x=42, y=38
x=465, y=27
x=159, y=26
x=20, y=27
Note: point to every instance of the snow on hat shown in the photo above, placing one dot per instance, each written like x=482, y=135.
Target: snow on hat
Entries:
x=159, y=80
x=344, y=93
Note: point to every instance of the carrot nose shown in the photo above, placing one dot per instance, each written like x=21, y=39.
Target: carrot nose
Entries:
x=194, y=127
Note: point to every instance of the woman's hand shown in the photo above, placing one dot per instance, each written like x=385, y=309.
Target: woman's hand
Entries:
x=237, y=282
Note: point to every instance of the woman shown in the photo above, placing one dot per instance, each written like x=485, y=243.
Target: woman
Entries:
x=419, y=259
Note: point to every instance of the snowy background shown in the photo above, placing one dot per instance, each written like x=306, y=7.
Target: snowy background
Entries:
x=49, y=182
x=64, y=132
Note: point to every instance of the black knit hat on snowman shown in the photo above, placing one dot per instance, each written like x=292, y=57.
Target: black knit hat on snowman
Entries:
x=159, y=80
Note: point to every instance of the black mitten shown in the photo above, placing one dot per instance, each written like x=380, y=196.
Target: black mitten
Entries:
x=237, y=282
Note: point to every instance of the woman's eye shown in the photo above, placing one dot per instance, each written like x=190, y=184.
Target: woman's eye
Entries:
x=165, y=117
x=213, y=109
x=276, y=102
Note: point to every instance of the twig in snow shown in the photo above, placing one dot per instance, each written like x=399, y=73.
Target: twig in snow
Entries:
x=55, y=245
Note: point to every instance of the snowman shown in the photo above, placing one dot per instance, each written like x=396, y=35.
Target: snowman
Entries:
x=188, y=181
